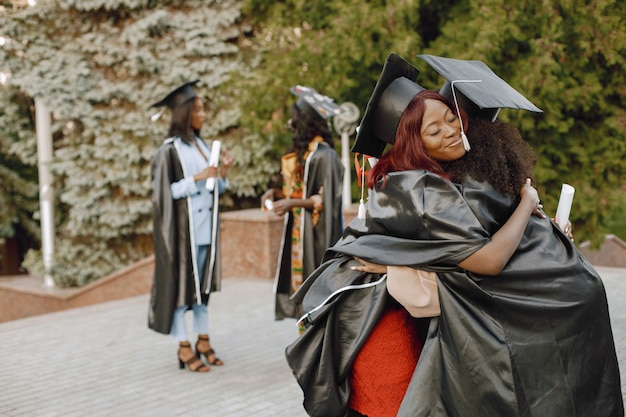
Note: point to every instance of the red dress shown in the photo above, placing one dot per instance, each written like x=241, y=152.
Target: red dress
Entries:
x=384, y=366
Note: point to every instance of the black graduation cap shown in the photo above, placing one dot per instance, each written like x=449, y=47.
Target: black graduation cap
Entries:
x=175, y=98
x=394, y=91
x=315, y=103
x=478, y=90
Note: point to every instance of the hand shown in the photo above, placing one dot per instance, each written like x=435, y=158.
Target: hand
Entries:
x=208, y=172
x=281, y=206
x=227, y=158
x=567, y=229
x=227, y=162
x=529, y=194
x=369, y=267
x=268, y=195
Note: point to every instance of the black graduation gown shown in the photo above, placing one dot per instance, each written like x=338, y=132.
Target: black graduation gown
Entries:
x=324, y=170
x=535, y=340
x=173, y=285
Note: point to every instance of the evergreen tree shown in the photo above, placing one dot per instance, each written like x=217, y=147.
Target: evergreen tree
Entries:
x=98, y=65
x=567, y=56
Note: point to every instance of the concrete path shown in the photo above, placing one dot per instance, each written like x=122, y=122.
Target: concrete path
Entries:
x=102, y=360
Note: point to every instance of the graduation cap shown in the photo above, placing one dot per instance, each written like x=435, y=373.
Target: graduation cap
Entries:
x=473, y=86
x=175, y=98
x=392, y=94
x=314, y=103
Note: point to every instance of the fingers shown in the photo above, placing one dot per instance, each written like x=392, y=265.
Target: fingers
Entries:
x=539, y=212
x=368, y=266
x=227, y=157
x=206, y=173
x=280, y=207
x=228, y=160
x=211, y=172
x=568, y=228
x=362, y=267
x=530, y=192
x=568, y=231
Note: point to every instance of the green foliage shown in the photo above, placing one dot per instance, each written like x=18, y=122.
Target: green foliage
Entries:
x=18, y=177
x=617, y=225
x=336, y=47
x=99, y=64
x=567, y=56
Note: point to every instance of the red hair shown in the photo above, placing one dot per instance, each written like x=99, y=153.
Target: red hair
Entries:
x=408, y=151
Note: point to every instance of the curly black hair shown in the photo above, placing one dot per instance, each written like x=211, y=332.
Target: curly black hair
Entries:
x=306, y=125
x=499, y=156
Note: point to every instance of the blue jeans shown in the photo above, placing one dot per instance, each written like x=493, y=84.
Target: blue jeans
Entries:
x=178, y=330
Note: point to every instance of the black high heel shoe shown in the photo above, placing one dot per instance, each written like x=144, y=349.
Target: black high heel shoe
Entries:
x=193, y=362
x=203, y=347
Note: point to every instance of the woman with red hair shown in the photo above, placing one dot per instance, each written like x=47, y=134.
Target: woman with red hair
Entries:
x=503, y=324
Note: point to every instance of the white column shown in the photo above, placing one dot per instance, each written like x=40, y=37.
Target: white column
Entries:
x=46, y=190
x=345, y=124
x=345, y=159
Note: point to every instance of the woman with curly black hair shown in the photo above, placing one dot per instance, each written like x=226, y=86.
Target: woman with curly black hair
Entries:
x=507, y=317
x=310, y=196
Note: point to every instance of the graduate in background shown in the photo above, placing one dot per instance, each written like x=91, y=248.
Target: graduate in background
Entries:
x=310, y=197
x=186, y=228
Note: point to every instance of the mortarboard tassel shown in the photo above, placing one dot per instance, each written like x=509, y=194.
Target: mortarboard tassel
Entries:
x=157, y=115
x=361, y=213
x=466, y=144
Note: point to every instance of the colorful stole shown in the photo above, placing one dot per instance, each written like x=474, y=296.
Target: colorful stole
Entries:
x=294, y=186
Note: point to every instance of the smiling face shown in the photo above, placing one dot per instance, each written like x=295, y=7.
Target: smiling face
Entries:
x=441, y=132
x=198, y=116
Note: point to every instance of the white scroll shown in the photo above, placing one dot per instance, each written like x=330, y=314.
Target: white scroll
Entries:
x=214, y=161
x=565, y=205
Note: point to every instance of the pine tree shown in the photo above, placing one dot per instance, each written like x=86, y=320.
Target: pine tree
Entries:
x=98, y=65
x=567, y=56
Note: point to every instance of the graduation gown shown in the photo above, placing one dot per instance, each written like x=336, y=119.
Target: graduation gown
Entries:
x=173, y=285
x=323, y=169
x=534, y=340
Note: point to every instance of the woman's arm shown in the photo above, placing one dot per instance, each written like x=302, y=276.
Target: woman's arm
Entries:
x=283, y=206
x=491, y=258
x=414, y=289
x=280, y=207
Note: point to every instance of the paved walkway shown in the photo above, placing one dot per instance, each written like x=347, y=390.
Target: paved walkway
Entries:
x=102, y=360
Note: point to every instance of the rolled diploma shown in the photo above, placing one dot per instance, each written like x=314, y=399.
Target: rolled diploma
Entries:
x=565, y=205
x=213, y=161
